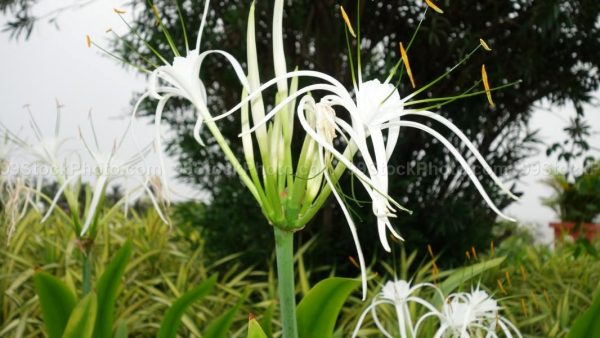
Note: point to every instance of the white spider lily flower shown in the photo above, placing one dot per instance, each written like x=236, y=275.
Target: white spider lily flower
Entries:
x=181, y=79
x=472, y=314
x=399, y=294
x=109, y=168
x=45, y=150
x=377, y=107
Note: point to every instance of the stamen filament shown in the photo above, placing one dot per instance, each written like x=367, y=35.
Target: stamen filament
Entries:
x=182, y=22
x=120, y=59
x=441, y=77
x=146, y=43
x=164, y=29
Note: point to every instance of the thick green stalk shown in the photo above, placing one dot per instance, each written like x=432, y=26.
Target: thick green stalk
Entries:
x=87, y=273
x=284, y=246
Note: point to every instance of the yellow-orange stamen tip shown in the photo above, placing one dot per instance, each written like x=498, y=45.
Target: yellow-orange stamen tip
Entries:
x=468, y=255
x=484, y=45
x=434, y=6
x=353, y=261
x=523, y=274
x=507, y=275
x=108, y=30
x=430, y=251
x=492, y=249
x=119, y=11
x=523, y=308
x=347, y=20
x=501, y=287
x=407, y=65
x=486, y=86
x=88, y=41
x=474, y=252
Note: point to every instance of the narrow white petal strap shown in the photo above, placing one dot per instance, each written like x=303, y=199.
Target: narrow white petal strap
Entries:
x=364, y=315
x=467, y=143
x=351, y=225
x=233, y=61
x=144, y=185
x=98, y=192
x=57, y=196
x=202, y=24
x=287, y=101
x=157, y=137
x=460, y=160
x=298, y=73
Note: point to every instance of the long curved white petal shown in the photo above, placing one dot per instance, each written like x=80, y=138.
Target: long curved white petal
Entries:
x=157, y=137
x=57, y=197
x=287, y=101
x=98, y=192
x=464, y=139
x=298, y=73
x=351, y=225
x=459, y=158
x=364, y=315
x=202, y=24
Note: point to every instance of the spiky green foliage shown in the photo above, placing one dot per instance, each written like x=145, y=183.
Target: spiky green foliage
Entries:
x=545, y=289
x=164, y=265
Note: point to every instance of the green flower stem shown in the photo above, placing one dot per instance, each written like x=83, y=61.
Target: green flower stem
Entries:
x=87, y=273
x=284, y=246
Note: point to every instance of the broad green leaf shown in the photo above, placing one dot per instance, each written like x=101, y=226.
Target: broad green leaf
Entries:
x=107, y=288
x=462, y=275
x=172, y=319
x=57, y=302
x=587, y=324
x=83, y=317
x=219, y=328
x=254, y=330
x=318, y=312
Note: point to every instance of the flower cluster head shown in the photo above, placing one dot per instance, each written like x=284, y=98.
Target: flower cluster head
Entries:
x=49, y=160
x=341, y=125
x=399, y=294
x=473, y=314
x=460, y=315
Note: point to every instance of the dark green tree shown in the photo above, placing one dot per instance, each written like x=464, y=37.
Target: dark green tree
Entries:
x=552, y=46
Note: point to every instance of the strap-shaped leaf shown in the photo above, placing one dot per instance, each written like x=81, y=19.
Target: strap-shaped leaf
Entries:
x=57, y=302
x=254, y=330
x=107, y=289
x=462, y=275
x=172, y=319
x=219, y=328
x=587, y=324
x=83, y=317
x=318, y=312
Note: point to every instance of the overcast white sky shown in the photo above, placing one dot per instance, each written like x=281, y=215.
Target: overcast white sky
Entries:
x=57, y=64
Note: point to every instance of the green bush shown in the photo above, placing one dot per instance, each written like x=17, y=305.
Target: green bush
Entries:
x=165, y=264
x=545, y=288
